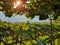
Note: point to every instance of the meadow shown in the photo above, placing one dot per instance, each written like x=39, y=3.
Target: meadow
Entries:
x=29, y=34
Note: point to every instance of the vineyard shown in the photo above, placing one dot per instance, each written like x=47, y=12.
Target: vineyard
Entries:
x=29, y=34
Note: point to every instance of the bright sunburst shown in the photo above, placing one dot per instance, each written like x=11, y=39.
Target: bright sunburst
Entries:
x=16, y=3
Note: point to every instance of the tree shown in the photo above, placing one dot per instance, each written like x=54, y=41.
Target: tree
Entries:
x=37, y=7
x=43, y=8
x=7, y=6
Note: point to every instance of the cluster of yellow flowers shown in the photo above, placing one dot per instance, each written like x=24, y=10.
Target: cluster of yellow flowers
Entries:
x=29, y=31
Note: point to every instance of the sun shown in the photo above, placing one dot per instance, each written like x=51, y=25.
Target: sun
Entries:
x=16, y=4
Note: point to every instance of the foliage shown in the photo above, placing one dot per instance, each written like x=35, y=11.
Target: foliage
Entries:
x=8, y=7
x=26, y=33
x=43, y=8
x=58, y=18
x=37, y=7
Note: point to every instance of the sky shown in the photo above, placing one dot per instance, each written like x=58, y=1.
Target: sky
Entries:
x=20, y=18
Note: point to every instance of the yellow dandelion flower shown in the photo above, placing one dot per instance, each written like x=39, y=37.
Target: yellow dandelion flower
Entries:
x=26, y=28
x=28, y=43
x=34, y=41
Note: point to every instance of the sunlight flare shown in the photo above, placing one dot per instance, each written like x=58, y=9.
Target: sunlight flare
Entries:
x=16, y=4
